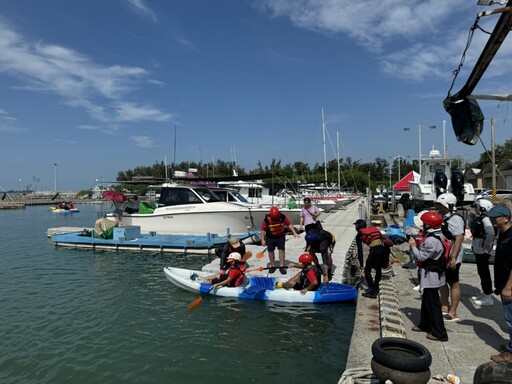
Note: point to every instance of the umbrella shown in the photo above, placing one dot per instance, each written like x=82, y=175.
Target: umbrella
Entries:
x=114, y=196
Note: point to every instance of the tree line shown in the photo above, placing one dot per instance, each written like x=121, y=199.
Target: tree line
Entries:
x=353, y=174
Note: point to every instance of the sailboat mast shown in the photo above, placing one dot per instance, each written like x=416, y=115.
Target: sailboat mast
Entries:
x=323, y=135
x=338, y=157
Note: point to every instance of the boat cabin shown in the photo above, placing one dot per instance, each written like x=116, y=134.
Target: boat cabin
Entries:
x=433, y=164
x=186, y=194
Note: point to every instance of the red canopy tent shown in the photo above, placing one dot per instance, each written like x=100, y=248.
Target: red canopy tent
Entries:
x=403, y=183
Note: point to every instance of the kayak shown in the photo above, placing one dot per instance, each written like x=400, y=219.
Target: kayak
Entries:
x=61, y=210
x=260, y=288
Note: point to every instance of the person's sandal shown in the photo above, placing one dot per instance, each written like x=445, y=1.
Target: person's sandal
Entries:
x=283, y=271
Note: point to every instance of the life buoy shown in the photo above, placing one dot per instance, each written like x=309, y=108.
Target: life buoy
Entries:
x=401, y=354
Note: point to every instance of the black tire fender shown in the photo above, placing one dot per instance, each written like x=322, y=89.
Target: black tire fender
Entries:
x=401, y=354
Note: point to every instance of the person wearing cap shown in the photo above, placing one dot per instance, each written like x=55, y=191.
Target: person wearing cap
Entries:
x=233, y=276
x=273, y=236
x=454, y=229
x=309, y=215
x=500, y=217
x=322, y=241
x=234, y=244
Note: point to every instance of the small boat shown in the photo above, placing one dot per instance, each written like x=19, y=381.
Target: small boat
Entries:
x=260, y=288
x=63, y=210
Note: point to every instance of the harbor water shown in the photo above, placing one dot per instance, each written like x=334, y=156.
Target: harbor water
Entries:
x=78, y=316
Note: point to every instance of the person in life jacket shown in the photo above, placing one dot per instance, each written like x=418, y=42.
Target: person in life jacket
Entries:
x=308, y=279
x=273, y=236
x=320, y=240
x=360, y=224
x=378, y=257
x=432, y=255
x=234, y=244
x=453, y=228
x=233, y=276
x=483, y=239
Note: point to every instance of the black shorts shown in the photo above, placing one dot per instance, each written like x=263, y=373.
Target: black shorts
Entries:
x=220, y=279
x=273, y=243
x=452, y=275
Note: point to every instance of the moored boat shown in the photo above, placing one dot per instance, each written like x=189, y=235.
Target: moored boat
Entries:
x=63, y=210
x=189, y=209
x=260, y=288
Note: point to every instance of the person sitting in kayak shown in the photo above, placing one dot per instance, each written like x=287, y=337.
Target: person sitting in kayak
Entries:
x=320, y=240
x=233, y=277
x=308, y=279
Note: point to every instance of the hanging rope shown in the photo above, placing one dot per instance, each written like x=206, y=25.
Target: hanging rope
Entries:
x=456, y=72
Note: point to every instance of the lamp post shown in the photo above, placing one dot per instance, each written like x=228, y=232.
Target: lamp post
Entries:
x=399, y=157
x=55, y=178
x=420, y=128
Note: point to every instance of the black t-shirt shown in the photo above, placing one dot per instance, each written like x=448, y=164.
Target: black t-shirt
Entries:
x=503, y=260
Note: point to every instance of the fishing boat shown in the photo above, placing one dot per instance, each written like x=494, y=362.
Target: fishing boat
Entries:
x=436, y=177
x=187, y=210
x=260, y=288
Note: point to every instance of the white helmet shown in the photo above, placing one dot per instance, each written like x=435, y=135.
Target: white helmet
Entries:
x=234, y=256
x=448, y=200
x=483, y=205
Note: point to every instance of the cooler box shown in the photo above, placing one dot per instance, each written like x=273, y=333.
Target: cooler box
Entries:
x=126, y=233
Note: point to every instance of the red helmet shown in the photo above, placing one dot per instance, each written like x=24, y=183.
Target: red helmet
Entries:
x=432, y=219
x=305, y=258
x=274, y=213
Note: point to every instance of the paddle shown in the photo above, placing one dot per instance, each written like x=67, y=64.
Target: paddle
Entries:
x=263, y=269
x=198, y=301
x=259, y=255
x=246, y=256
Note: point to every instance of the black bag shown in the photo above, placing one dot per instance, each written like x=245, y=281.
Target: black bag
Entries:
x=477, y=228
x=467, y=119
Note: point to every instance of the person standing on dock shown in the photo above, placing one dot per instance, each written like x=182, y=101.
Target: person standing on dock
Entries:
x=378, y=257
x=500, y=217
x=273, y=236
x=482, y=231
x=431, y=255
x=234, y=244
x=360, y=224
x=453, y=228
x=309, y=215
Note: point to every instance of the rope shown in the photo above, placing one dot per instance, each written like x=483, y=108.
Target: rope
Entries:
x=359, y=376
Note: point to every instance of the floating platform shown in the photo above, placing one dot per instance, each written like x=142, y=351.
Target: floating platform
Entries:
x=130, y=239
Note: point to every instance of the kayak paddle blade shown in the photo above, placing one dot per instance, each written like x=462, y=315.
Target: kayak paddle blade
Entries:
x=195, y=303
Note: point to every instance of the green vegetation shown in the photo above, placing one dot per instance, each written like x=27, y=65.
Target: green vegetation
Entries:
x=354, y=175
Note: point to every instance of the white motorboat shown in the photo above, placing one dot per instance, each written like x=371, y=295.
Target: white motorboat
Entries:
x=258, y=211
x=436, y=177
x=190, y=209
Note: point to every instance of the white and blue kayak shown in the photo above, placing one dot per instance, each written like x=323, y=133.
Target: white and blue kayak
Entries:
x=260, y=288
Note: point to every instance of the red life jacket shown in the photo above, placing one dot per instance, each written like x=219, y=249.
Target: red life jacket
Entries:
x=370, y=234
x=275, y=228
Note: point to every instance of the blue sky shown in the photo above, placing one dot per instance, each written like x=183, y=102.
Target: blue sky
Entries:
x=99, y=86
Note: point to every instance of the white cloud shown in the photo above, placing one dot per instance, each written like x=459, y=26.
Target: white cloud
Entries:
x=76, y=78
x=141, y=8
x=143, y=141
x=8, y=123
x=413, y=40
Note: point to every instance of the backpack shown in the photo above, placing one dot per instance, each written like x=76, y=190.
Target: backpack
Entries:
x=444, y=226
x=440, y=264
x=370, y=234
x=477, y=228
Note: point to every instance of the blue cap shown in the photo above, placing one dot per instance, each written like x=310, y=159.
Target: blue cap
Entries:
x=499, y=210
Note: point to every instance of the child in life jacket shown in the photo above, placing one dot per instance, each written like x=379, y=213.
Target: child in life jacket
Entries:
x=308, y=279
x=234, y=275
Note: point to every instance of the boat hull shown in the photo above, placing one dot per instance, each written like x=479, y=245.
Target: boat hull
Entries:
x=214, y=218
x=261, y=288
